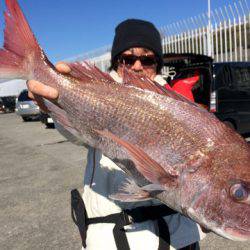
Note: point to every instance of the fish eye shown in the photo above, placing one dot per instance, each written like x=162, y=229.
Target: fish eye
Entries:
x=238, y=192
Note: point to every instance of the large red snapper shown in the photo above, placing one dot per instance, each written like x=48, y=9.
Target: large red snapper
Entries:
x=174, y=150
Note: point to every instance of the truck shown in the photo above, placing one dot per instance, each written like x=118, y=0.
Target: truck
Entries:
x=223, y=88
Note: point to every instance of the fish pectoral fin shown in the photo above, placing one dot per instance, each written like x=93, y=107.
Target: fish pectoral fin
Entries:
x=142, y=196
x=147, y=166
x=131, y=192
x=153, y=188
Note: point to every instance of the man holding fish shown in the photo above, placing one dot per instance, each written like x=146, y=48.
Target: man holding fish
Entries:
x=147, y=144
x=137, y=46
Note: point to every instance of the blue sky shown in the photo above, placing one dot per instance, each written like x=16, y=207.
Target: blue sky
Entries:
x=66, y=28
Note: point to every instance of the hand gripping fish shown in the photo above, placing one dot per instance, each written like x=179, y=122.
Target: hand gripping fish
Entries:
x=173, y=150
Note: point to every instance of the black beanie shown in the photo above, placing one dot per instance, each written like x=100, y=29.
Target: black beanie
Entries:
x=137, y=33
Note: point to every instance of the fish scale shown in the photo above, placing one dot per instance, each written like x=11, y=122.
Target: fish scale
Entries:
x=136, y=125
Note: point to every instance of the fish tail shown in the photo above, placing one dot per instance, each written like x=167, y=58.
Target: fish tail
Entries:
x=21, y=50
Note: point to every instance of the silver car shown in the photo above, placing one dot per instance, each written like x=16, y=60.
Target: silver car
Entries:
x=26, y=108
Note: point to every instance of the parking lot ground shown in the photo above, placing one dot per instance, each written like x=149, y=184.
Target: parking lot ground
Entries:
x=37, y=171
x=38, y=168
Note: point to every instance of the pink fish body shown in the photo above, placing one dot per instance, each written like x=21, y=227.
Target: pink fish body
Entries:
x=174, y=150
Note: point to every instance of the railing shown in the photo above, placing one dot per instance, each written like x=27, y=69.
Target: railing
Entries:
x=229, y=34
x=91, y=54
x=226, y=39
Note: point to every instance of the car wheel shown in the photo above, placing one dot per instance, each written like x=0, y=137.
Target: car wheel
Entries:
x=26, y=119
x=50, y=125
x=229, y=124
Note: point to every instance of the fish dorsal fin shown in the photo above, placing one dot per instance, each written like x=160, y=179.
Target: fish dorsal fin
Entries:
x=85, y=71
x=148, y=167
x=140, y=81
x=143, y=82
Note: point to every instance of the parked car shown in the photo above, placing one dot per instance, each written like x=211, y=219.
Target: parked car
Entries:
x=1, y=106
x=7, y=104
x=27, y=108
x=223, y=88
x=47, y=120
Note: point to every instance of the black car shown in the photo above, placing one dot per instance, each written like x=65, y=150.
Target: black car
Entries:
x=1, y=106
x=224, y=88
x=7, y=104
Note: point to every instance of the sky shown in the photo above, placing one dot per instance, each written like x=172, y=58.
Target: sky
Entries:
x=66, y=28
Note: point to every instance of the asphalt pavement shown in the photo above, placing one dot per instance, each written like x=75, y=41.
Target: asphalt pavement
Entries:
x=38, y=168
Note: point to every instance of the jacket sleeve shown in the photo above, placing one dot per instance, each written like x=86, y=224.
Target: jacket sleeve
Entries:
x=184, y=86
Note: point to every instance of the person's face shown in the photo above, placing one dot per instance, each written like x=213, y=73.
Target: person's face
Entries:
x=140, y=60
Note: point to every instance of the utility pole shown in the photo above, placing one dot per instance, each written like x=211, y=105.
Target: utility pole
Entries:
x=209, y=41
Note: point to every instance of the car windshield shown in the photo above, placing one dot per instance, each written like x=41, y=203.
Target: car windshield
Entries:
x=24, y=96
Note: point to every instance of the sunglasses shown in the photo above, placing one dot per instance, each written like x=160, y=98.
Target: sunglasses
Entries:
x=129, y=60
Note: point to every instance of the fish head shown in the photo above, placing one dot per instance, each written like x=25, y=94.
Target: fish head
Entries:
x=221, y=200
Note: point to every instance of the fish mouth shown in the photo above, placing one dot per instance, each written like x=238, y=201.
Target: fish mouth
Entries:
x=236, y=234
